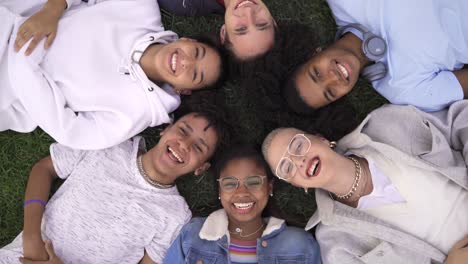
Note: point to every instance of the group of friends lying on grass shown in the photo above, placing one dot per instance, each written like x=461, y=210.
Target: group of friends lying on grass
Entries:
x=93, y=74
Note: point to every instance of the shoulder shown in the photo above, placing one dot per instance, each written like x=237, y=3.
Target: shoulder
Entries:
x=297, y=236
x=193, y=227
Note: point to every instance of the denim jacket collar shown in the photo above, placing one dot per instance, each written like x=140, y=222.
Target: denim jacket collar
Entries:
x=216, y=226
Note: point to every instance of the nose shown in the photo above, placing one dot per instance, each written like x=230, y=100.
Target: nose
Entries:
x=241, y=189
x=187, y=62
x=184, y=145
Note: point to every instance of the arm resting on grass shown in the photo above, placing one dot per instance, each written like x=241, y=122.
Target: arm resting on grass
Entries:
x=462, y=76
x=40, y=180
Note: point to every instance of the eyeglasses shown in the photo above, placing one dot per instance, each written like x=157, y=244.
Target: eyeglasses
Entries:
x=298, y=147
x=251, y=183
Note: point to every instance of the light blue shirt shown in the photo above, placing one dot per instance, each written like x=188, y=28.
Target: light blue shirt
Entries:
x=427, y=40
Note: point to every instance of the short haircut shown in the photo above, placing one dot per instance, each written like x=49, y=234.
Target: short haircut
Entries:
x=268, y=139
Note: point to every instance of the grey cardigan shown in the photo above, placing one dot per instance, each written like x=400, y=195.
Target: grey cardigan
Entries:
x=405, y=134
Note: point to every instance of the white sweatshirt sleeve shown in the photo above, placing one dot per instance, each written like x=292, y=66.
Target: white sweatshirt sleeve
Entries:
x=46, y=105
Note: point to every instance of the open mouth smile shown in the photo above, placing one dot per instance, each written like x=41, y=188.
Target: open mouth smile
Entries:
x=244, y=3
x=244, y=208
x=173, y=61
x=174, y=155
x=343, y=70
x=314, y=167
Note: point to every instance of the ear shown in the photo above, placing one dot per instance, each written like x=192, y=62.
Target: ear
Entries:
x=183, y=91
x=222, y=34
x=270, y=185
x=202, y=168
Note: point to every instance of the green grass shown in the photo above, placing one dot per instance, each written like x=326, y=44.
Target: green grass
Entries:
x=18, y=152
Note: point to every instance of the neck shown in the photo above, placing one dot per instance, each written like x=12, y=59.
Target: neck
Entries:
x=352, y=43
x=150, y=170
x=147, y=62
x=247, y=228
x=345, y=177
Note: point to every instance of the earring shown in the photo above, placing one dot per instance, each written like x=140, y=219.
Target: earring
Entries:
x=271, y=194
x=219, y=197
x=306, y=190
x=332, y=144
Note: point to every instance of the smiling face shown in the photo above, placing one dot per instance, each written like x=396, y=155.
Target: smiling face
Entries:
x=314, y=169
x=184, y=147
x=327, y=76
x=187, y=64
x=243, y=205
x=249, y=26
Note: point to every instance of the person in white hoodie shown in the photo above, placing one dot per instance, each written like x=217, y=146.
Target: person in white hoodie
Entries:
x=111, y=72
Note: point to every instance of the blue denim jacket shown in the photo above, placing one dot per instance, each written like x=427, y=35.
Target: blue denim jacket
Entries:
x=207, y=240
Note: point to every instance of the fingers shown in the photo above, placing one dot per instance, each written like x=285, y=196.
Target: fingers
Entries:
x=22, y=37
x=50, y=249
x=33, y=44
x=50, y=39
x=461, y=243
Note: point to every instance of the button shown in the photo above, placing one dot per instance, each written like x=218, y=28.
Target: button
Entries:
x=264, y=243
x=380, y=253
x=199, y=261
x=150, y=89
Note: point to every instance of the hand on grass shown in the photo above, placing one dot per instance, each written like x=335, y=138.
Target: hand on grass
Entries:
x=42, y=24
x=458, y=254
x=52, y=258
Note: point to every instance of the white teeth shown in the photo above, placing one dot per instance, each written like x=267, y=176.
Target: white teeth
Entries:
x=245, y=3
x=243, y=205
x=174, y=62
x=179, y=159
x=312, y=168
x=343, y=70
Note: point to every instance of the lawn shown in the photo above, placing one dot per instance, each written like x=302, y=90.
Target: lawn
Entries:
x=18, y=152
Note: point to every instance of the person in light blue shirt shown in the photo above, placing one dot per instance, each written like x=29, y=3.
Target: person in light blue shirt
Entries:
x=413, y=52
x=240, y=232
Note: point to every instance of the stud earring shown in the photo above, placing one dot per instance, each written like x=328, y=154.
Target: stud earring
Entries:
x=219, y=197
x=332, y=144
x=271, y=194
x=306, y=190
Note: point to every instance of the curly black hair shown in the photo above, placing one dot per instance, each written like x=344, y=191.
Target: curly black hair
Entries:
x=260, y=99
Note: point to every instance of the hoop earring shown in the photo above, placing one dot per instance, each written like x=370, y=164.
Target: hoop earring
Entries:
x=332, y=144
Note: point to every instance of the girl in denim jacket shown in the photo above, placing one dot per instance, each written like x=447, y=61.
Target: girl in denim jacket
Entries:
x=238, y=233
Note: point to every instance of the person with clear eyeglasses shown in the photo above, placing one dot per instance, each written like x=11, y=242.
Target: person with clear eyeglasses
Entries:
x=245, y=230
x=385, y=194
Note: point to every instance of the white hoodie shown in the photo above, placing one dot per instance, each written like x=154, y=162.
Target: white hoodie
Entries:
x=87, y=90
